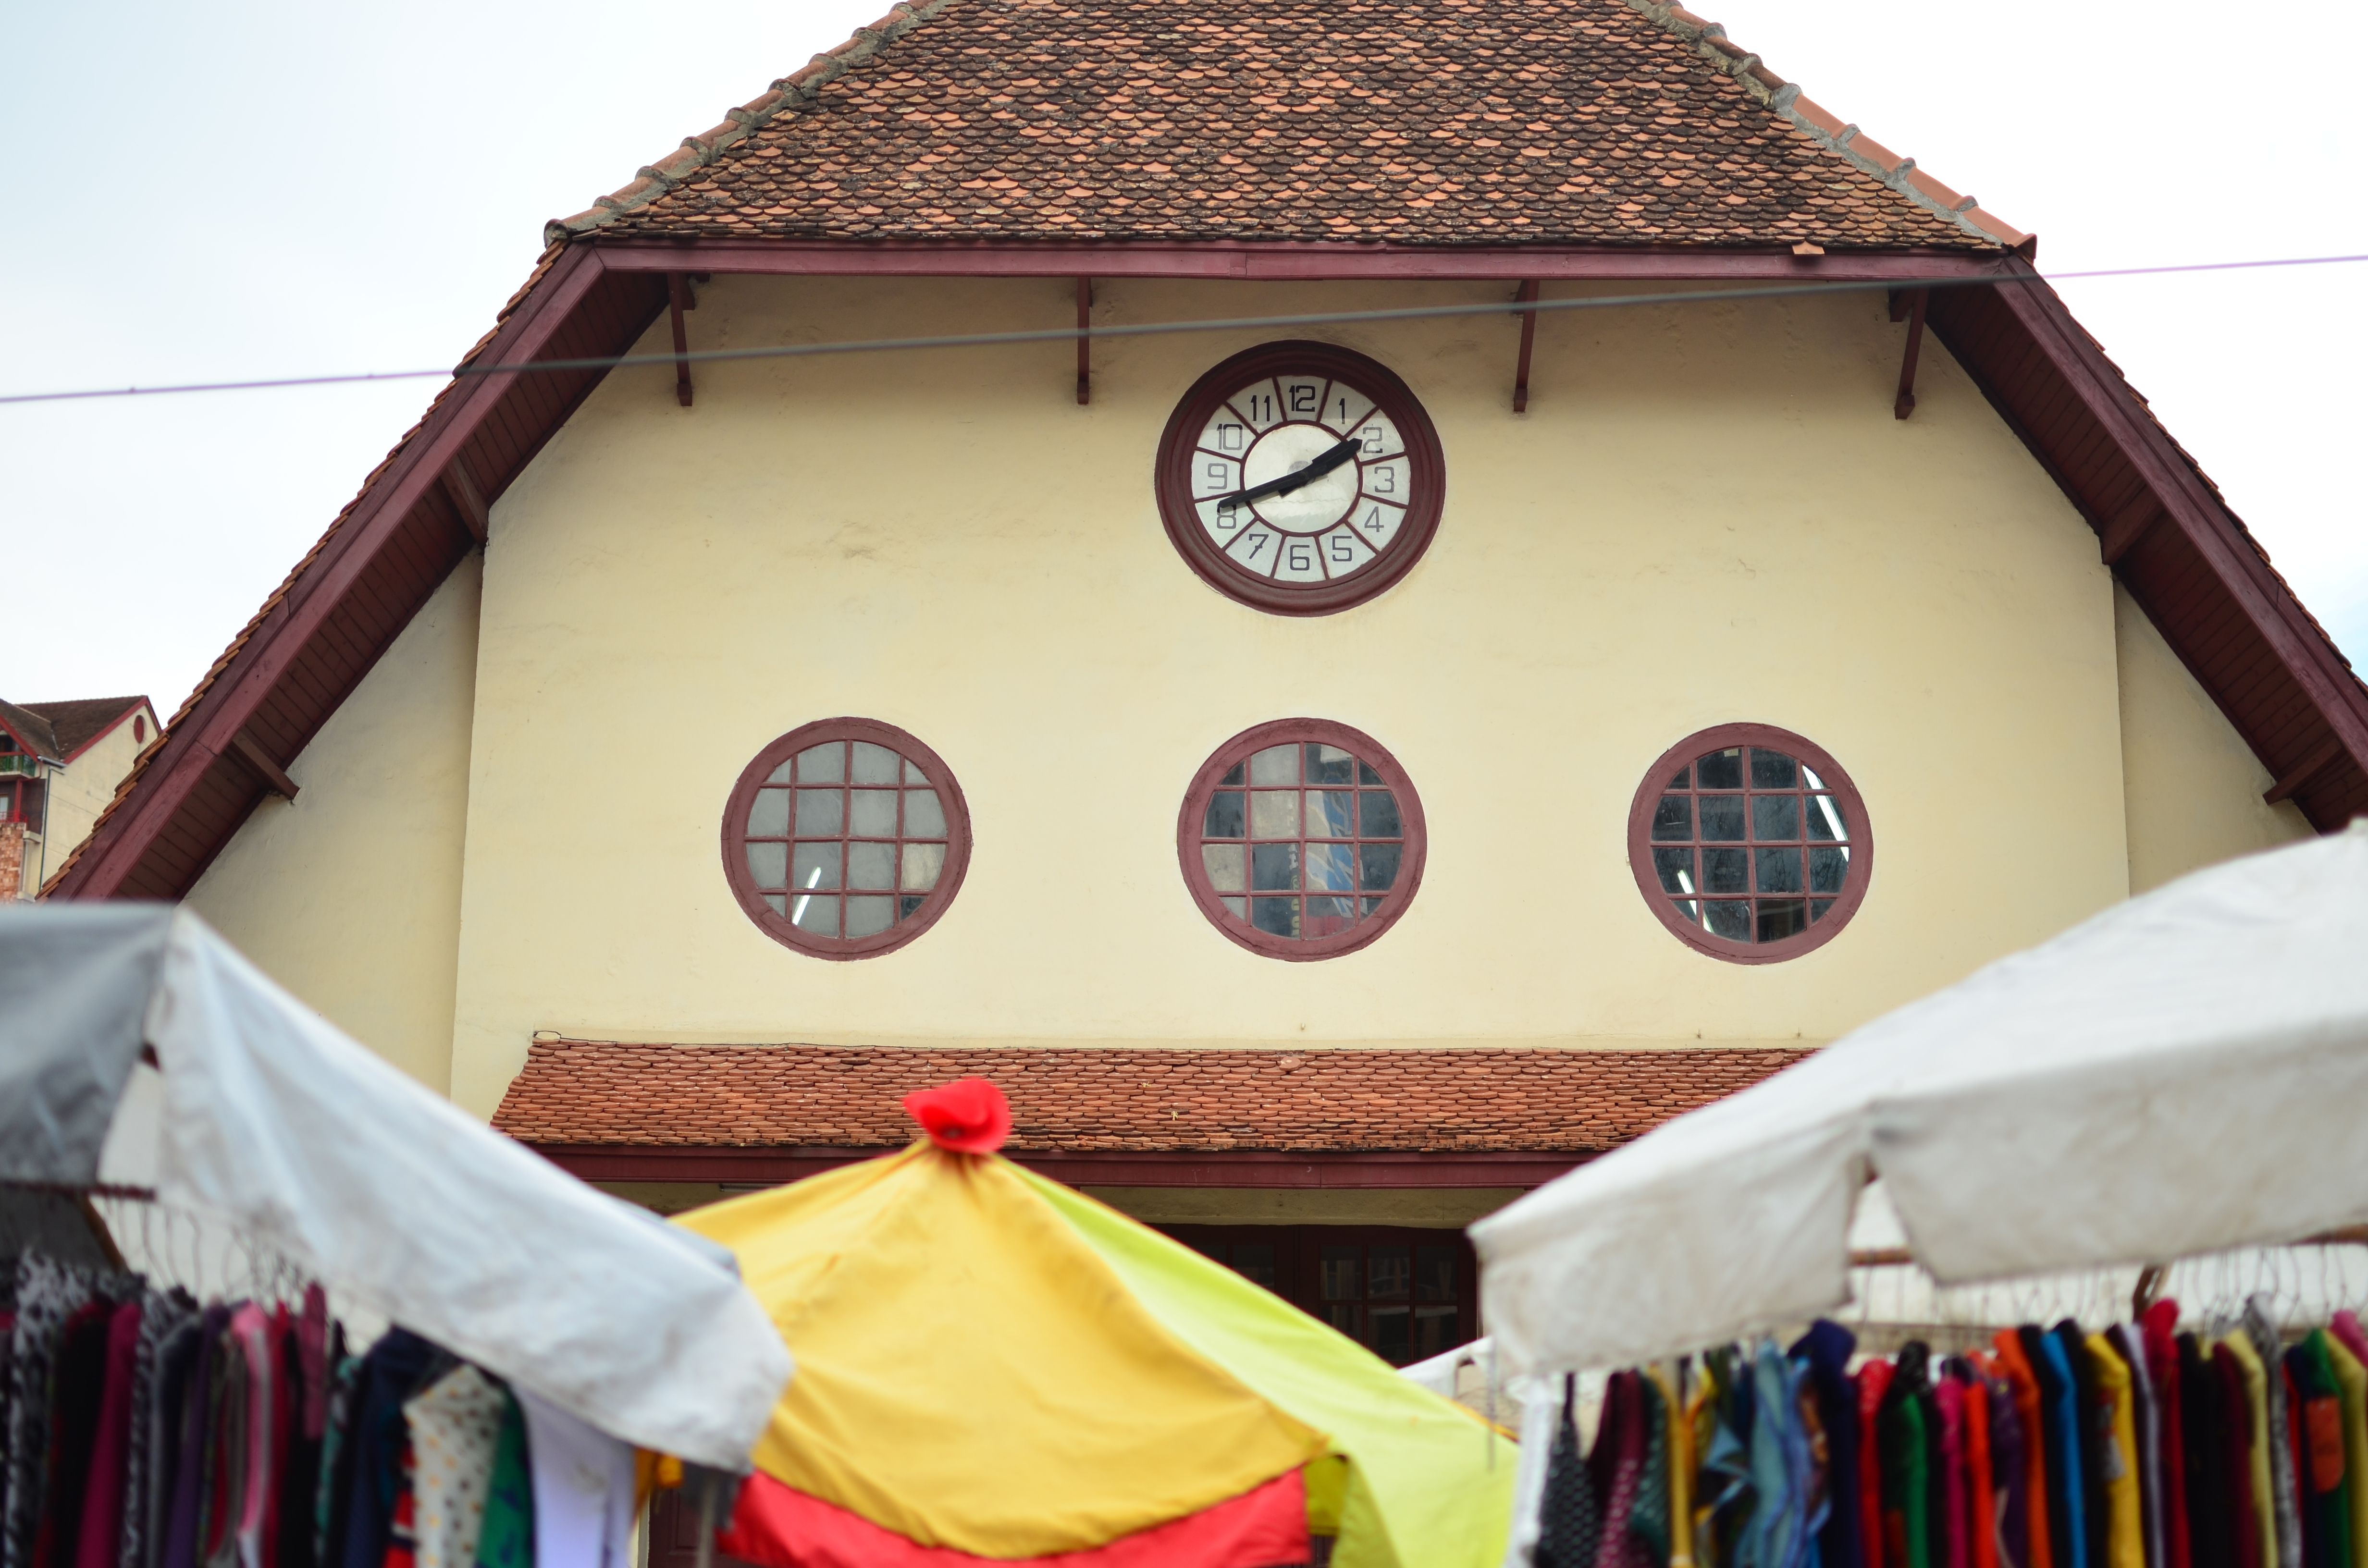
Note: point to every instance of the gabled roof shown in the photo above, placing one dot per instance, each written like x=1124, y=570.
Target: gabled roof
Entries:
x=76, y=723
x=32, y=731
x=584, y=1093
x=1439, y=122
x=784, y=187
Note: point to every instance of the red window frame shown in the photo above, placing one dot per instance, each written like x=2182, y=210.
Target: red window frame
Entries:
x=1172, y=478
x=1290, y=1261
x=1834, y=781
x=1192, y=819
x=906, y=927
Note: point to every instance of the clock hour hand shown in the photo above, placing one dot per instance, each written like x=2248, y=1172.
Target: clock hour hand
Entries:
x=1324, y=462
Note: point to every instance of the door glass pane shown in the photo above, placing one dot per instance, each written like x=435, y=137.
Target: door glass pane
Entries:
x=1253, y=1261
x=1390, y=1273
x=1434, y=1331
x=1393, y=1329
x=1434, y=1273
x=1342, y=1276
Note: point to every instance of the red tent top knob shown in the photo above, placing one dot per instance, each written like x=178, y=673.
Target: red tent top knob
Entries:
x=969, y=1115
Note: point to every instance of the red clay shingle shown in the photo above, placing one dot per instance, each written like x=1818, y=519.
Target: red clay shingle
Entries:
x=1423, y=123
x=588, y=1092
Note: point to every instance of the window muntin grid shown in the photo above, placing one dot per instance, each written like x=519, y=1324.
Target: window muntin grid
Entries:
x=1750, y=843
x=845, y=838
x=1302, y=839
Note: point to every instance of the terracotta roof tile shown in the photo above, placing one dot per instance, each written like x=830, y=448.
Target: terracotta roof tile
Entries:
x=1424, y=123
x=586, y=1092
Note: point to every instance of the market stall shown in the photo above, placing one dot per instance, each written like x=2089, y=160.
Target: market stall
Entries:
x=149, y=1064
x=993, y=1367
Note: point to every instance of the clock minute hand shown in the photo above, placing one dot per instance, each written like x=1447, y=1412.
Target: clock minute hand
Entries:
x=1324, y=462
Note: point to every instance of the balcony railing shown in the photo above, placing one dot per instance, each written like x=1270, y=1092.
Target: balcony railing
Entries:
x=19, y=764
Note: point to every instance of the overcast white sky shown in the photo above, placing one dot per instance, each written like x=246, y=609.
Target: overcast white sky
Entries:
x=261, y=187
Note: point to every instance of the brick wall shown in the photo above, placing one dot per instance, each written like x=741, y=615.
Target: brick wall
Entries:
x=12, y=858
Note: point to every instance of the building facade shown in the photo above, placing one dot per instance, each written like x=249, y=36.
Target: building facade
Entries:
x=1338, y=768
x=60, y=764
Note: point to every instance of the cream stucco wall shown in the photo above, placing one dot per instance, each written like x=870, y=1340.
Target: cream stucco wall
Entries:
x=2193, y=788
x=350, y=894
x=1709, y=514
x=78, y=791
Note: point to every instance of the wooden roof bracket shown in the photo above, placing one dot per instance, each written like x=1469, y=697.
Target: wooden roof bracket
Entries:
x=1085, y=341
x=468, y=499
x=679, y=299
x=2122, y=531
x=248, y=750
x=2310, y=768
x=1907, y=304
x=1528, y=295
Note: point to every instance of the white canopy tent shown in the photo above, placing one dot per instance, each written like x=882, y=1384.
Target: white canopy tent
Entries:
x=2184, y=1072
x=268, y=1120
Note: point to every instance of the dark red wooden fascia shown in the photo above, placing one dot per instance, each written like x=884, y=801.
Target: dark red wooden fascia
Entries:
x=741, y=1165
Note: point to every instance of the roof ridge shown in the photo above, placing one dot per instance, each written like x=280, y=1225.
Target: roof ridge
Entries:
x=800, y=89
x=1821, y=126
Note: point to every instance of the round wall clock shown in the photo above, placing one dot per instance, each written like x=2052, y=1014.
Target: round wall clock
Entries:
x=1300, y=478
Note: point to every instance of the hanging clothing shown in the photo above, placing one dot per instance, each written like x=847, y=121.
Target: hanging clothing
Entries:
x=1949, y=1399
x=2352, y=1384
x=2129, y=1343
x=455, y=1425
x=1873, y=1385
x=2326, y=1468
x=2066, y=1479
x=1826, y=1351
x=1981, y=1518
x=176, y=1359
x=2262, y=1465
x=1907, y=1481
x=2206, y=1438
x=1681, y=1468
x=2118, y=1455
x=1624, y=1429
x=99, y=1538
x=583, y=1499
x=2285, y=1502
x=2096, y=1509
x=2010, y=1476
x=1648, y=1518
x=1779, y=1465
x=390, y=1374
x=2158, y=1333
x=47, y=1294
x=336, y=1464
x=507, y=1538
x=2029, y=1413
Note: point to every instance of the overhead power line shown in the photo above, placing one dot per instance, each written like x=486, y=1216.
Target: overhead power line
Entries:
x=1151, y=329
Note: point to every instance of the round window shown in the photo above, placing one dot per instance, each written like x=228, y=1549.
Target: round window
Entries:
x=845, y=838
x=1300, y=478
x=1749, y=843
x=1300, y=839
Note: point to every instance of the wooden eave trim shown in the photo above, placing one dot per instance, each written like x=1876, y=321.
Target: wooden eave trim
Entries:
x=2201, y=517
x=1225, y=1168
x=210, y=731
x=1297, y=261
x=143, y=706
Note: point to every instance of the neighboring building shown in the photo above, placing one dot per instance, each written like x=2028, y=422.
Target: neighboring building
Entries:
x=1612, y=702
x=61, y=763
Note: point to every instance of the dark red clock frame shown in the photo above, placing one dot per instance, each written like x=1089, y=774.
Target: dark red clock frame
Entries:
x=1426, y=462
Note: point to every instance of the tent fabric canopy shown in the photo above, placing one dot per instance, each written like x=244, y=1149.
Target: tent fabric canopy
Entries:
x=2180, y=1074
x=995, y=1365
x=274, y=1122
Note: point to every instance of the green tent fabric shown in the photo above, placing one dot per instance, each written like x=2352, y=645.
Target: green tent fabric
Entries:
x=1417, y=1481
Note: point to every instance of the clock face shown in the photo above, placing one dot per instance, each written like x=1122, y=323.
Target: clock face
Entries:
x=1300, y=478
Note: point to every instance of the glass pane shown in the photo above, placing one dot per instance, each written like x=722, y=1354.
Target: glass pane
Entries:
x=869, y=917
x=1721, y=769
x=869, y=866
x=923, y=863
x=1377, y=814
x=871, y=813
x=1342, y=1274
x=1827, y=869
x=1224, y=863
x=1372, y=904
x=1722, y=818
x=819, y=915
x=1329, y=815
x=1223, y=819
x=1434, y=1273
x=876, y=765
x=1381, y=866
x=1239, y=908
x=1732, y=921
x=913, y=773
x=1781, y=918
x=818, y=866
x=1390, y=1274
x=925, y=814
x=768, y=864
x=1688, y=912
x=824, y=764
x=909, y=905
x=782, y=774
x=1276, y=765
x=1676, y=869
x=1818, y=907
x=1329, y=764
x=1392, y=1334
x=1780, y=869
x=769, y=817
x=1678, y=779
x=1775, y=818
x=1726, y=870
x=1826, y=820
x=1253, y=1261
x=1329, y=916
x=1342, y=1317
x=1331, y=867
x=1674, y=818
x=1434, y=1331
x=1368, y=774
x=1809, y=777
x=1773, y=771
x=822, y=812
x=779, y=903
x=1274, y=867
x=1276, y=917
x=1274, y=813
x=1232, y=774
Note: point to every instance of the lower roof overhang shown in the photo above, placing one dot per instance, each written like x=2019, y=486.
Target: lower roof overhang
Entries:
x=738, y=1166
x=2161, y=525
